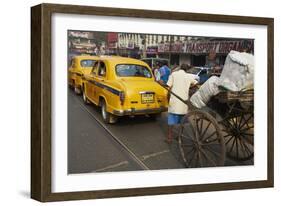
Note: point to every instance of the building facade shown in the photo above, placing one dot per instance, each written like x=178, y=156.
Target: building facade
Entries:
x=196, y=51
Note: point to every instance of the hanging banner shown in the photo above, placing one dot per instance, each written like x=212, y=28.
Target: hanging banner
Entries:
x=164, y=47
x=219, y=47
x=81, y=34
x=177, y=47
x=152, y=50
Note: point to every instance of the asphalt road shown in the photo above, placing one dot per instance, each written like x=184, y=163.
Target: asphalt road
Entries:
x=90, y=147
x=129, y=145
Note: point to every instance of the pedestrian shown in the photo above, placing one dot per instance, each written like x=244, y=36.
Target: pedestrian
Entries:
x=156, y=72
x=165, y=72
x=179, y=83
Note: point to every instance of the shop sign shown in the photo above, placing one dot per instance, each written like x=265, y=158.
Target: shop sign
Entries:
x=221, y=47
x=152, y=50
x=131, y=44
x=112, y=37
x=177, y=47
x=201, y=47
x=79, y=34
x=164, y=47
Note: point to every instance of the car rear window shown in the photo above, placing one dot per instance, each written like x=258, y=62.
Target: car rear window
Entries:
x=87, y=63
x=132, y=70
x=148, y=61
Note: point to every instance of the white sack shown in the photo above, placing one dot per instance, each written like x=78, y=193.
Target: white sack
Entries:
x=238, y=71
x=206, y=91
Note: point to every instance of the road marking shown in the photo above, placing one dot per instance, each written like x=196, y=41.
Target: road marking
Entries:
x=140, y=163
x=112, y=166
x=145, y=157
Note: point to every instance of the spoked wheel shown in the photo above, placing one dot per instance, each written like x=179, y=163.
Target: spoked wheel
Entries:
x=200, y=140
x=239, y=136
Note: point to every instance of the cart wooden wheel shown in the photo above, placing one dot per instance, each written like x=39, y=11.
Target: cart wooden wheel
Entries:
x=239, y=136
x=200, y=140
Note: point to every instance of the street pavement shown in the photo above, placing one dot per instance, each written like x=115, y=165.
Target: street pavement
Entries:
x=129, y=145
x=90, y=147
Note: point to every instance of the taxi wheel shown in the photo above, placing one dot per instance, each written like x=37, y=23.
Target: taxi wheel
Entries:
x=72, y=84
x=77, y=90
x=85, y=99
x=106, y=116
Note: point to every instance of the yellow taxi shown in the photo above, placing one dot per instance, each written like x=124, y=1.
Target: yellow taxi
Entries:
x=80, y=65
x=123, y=86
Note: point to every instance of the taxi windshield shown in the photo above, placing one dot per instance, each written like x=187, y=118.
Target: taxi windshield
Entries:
x=87, y=63
x=132, y=70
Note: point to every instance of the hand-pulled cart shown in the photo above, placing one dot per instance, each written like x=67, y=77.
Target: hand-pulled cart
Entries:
x=224, y=127
x=225, y=123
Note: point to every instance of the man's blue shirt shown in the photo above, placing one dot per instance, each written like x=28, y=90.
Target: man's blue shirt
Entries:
x=165, y=72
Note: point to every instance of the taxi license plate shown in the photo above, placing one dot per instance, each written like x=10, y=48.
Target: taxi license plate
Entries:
x=147, y=98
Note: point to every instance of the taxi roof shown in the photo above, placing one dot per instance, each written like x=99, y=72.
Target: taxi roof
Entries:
x=122, y=60
x=81, y=57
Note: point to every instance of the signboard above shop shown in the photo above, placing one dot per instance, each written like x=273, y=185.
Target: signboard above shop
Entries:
x=80, y=34
x=152, y=50
x=112, y=37
x=205, y=47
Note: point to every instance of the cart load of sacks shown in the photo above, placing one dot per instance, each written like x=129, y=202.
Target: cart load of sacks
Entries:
x=237, y=75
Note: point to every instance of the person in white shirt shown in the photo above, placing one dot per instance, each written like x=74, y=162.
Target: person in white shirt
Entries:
x=179, y=83
x=156, y=72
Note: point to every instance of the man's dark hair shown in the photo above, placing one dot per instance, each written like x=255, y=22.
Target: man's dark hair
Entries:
x=185, y=67
x=160, y=64
x=165, y=63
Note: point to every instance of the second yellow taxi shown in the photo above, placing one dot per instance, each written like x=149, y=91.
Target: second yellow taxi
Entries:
x=123, y=86
x=79, y=66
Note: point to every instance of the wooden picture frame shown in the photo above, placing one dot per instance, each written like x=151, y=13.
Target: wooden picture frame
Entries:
x=41, y=96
